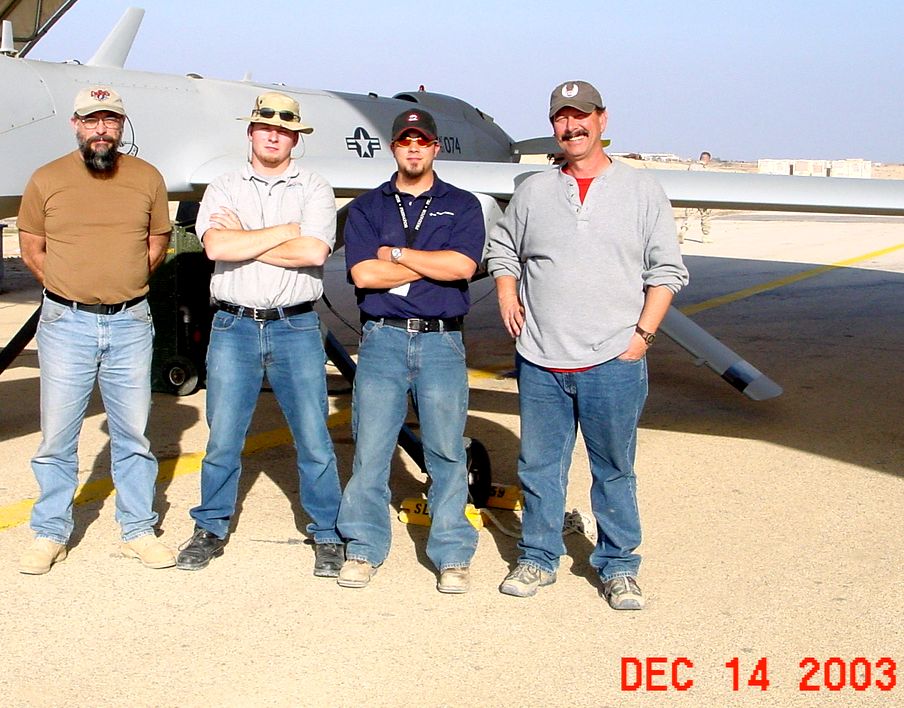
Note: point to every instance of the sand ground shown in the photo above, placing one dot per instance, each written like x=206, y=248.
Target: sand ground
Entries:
x=772, y=530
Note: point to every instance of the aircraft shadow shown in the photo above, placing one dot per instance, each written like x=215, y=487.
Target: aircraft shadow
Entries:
x=833, y=342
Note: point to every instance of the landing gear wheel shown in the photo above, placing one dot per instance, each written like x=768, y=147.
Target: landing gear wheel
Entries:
x=479, y=473
x=181, y=375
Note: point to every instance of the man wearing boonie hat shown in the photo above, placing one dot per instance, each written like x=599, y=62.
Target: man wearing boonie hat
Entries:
x=269, y=228
x=411, y=245
x=586, y=262
x=93, y=226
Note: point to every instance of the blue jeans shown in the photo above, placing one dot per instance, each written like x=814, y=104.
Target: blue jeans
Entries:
x=76, y=348
x=290, y=351
x=607, y=401
x=431, y=366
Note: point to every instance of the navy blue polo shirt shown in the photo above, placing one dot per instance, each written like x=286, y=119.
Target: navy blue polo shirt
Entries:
x=453, y=222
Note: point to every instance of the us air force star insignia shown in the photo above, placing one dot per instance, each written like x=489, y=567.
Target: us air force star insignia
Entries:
x=570, y=90
x=362, y=143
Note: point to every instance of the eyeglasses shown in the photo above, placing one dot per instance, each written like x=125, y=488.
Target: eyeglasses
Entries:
x=421, y=142
x=92, y=122
x=288, y=116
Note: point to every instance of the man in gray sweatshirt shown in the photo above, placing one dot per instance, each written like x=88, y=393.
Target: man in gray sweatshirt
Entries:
x=586, y=262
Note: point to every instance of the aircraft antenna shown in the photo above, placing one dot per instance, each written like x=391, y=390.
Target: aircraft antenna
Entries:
x=115, y=48
x=7, y=46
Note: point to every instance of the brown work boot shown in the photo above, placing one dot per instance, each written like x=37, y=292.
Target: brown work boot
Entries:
x=151, y=552
x=454, y=581
x=355, y=573
x=42, y=554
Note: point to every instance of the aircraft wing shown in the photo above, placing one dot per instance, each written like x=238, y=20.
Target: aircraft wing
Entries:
x=731, y=190
x=719, y=190
x=350, y=177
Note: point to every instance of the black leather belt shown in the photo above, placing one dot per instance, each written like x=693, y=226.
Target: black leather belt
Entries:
x=98, y=309
x=273, y=313
x=420, y=324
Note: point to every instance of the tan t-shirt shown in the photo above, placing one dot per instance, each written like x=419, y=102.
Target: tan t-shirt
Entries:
x=96, y=227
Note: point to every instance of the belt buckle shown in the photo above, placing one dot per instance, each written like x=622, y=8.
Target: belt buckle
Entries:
x=413, y=325
x=256, y=317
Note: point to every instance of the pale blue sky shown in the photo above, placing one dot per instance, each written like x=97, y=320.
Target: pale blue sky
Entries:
x=741, y=79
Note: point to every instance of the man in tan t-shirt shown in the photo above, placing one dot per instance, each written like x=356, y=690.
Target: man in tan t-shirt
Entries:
x=93, y=225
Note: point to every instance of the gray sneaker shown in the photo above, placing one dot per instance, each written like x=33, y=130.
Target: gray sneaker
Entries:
x=524, y=580
x=623, y=593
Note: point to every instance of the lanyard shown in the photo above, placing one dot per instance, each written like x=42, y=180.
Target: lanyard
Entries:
x=411, y=234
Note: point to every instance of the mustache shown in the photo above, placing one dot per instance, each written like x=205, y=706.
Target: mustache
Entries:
x=100, y=139
x=576, y=133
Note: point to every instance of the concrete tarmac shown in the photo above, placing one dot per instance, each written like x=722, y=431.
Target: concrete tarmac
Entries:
x=772, y=530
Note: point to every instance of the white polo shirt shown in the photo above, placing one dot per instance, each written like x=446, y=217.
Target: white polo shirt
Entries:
x=296, y=196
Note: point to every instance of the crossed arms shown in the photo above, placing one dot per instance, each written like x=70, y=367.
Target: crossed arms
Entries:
x=283, y=245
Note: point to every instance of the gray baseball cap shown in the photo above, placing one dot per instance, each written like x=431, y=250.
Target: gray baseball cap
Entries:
x=575, y=94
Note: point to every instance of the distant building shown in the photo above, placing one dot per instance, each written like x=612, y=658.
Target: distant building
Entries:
x=817, y=168
x=660, y=156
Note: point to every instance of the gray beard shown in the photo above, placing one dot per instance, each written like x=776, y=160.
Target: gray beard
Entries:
x=98, y=162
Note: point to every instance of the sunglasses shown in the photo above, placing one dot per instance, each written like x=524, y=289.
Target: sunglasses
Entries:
x=421, y=142
x=288, y=116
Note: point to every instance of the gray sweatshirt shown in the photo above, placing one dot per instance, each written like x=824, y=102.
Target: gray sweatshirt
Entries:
x=582, y=268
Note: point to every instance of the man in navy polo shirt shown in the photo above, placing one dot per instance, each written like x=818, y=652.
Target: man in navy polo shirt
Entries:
x=410, y=247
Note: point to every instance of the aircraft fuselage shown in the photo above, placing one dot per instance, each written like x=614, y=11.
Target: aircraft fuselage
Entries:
x=186, y=125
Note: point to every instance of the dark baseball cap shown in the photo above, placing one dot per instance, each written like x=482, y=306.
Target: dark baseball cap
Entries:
x=575, y=94
x=414, y=119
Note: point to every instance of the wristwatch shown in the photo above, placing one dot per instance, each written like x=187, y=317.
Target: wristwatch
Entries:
x=648, y=337
x=395, y=254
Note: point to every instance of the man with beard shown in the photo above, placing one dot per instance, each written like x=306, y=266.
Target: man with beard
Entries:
x=586, y=262
x=93, y=226
x=269, y=227
x=411, y=245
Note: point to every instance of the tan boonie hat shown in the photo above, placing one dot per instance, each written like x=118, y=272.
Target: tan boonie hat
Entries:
x=575, y=94
x=98, y=98
x=280, y=110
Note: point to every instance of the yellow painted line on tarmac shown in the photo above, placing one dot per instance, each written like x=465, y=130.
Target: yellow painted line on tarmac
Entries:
x=781, y=282
x=190, y=463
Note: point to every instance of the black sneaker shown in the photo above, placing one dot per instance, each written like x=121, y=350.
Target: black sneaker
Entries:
x=197, y=552
x=328, y=559
x=623, y=593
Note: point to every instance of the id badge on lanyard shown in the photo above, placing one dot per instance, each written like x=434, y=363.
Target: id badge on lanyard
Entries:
x=410, y=236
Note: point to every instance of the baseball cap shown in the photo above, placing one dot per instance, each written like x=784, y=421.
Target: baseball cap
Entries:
x=414, y=119
x=575, y=94
x=277, y=109
x=98, y=98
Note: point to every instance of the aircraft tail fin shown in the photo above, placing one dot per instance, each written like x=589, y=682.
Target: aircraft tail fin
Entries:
x=115, y=48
